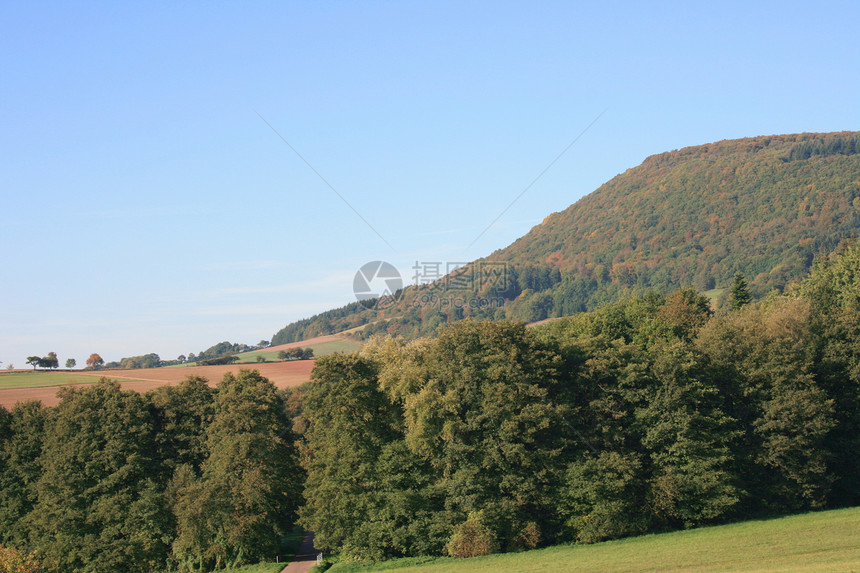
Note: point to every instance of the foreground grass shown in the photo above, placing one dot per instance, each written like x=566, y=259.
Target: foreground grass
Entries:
x=41, y=379
x=813, y=542
x=258, y=568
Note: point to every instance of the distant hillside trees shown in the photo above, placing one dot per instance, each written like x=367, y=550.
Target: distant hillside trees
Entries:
x=740, y=294
x=764, y=206
x=218, y=361
x=296, y=354
x=151, y=360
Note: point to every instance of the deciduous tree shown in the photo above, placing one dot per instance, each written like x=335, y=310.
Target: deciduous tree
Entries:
x=97, y=508
x=250, y=485
x=95, y=361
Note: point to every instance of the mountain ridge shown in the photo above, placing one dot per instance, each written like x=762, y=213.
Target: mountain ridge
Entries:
x=765, y=206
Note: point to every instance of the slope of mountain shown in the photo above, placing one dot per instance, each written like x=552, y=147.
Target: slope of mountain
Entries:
x=765, y=206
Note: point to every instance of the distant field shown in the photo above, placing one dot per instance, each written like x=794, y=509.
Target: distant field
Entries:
x=282, y=375
x=714, y=294
x=321, y=342
x=814, y=542
x=38, y=379
x=320, y=349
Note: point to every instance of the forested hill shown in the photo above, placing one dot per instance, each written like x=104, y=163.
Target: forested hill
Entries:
x=765, y=206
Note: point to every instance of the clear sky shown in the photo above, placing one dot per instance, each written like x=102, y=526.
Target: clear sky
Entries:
x=146, y=206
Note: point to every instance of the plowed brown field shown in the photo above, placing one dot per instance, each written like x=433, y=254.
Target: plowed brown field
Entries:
x=282, y=375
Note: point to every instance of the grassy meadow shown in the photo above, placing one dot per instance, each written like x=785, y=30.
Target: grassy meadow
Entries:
x=320, y=349
x=814, y=542
x=39, y=379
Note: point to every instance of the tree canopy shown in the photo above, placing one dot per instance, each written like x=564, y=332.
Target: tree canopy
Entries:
x=649, y=414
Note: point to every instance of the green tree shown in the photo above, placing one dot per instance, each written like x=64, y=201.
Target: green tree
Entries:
x=97, y=507
x=20, y=467
x=690, y=439
x=71, y=363
x=35, y=361
x=182, y=415
x=604, y=496
x=740, y=296
x=764, y=359
x=492, y=453
x=349, y=422
x=250, y=485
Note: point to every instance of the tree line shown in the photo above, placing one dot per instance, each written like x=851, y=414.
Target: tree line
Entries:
x=184, y=478
x=650, y=414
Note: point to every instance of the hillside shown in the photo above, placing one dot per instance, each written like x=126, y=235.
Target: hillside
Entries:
x=765, y=206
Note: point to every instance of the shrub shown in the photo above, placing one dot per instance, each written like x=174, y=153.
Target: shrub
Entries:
x=471, y=538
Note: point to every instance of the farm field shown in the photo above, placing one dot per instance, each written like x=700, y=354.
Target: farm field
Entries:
x=323, y=342
x=31, y=379
x=321, y=346
x=813, y=542
x=19, y=386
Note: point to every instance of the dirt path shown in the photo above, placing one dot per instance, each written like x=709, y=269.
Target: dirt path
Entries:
x=306, y=557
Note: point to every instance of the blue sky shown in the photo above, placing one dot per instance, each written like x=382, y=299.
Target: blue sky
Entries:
x=146, y=207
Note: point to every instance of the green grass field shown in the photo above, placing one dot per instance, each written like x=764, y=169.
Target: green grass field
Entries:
x=40, y=379
x=258, y=568
x=826, y=541
x=714, y=294
x=321, y=349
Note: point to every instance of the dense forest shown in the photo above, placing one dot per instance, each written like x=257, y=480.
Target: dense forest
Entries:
x=650, y=414
x=185, y=478
x=764, y=206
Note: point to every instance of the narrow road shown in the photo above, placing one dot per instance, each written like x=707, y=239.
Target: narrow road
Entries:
x=306, y=557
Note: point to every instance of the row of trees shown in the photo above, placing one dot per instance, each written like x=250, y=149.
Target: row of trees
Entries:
x=296, y=354
x=185, y=478
x=647, y=415
x=51, y=361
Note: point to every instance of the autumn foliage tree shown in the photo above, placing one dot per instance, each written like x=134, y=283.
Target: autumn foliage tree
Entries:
x=95, y=361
